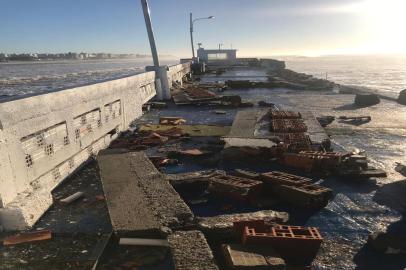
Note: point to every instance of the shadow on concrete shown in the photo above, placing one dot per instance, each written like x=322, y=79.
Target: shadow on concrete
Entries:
x=393, y=196
x=351, y=106
x=369, y=258
x=351, y=185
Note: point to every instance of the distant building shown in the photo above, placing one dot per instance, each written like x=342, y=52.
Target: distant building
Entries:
x=83, y=55
x=226, y=55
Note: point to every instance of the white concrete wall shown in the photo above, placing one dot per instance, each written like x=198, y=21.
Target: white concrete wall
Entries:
x=46, y=137
x=177, y=72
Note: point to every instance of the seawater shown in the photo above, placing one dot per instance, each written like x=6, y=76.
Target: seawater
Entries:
x=383, y=74
x=24, y=78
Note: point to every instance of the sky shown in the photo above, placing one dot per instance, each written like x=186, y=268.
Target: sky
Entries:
x=254, y=27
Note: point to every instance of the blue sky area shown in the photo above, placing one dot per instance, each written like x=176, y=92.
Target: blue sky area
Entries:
x=255, y=27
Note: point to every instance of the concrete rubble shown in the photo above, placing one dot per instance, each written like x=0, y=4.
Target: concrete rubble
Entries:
x=190, y=251
x=221, y=227
x=245, y=257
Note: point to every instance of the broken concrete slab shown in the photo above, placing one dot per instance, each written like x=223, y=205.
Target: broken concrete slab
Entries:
x=244, y=124
x=190, y=251
x=317, y=134
x=134, y=188
x=241, y=257
x=221, y=227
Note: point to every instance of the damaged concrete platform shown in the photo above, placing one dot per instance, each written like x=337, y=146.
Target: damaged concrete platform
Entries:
x=345, y=223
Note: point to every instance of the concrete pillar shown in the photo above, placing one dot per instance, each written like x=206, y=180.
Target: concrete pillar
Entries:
x=164, y=91
x=165, y=84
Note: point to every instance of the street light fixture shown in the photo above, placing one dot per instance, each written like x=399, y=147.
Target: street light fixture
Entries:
x=192, y=21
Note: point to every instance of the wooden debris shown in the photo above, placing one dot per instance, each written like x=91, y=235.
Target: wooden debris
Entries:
x=27, y=237
x=171, y=121
x=192, y=152
x=143, y=242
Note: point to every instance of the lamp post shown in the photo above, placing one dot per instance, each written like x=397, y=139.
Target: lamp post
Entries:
x=192, y=21
x=147, y=17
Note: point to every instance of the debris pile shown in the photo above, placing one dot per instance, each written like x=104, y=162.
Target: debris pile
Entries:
x=295, y=244
x=194, y=94
x=341, y=164
x=147, y=138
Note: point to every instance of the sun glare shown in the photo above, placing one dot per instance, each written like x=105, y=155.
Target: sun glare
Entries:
x=385, y=23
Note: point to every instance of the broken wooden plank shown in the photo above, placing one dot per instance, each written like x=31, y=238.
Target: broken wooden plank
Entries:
x=27, y=237
x=143, y=242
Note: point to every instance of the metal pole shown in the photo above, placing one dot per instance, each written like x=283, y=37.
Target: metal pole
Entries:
x=148, y=24
x=191, y=36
